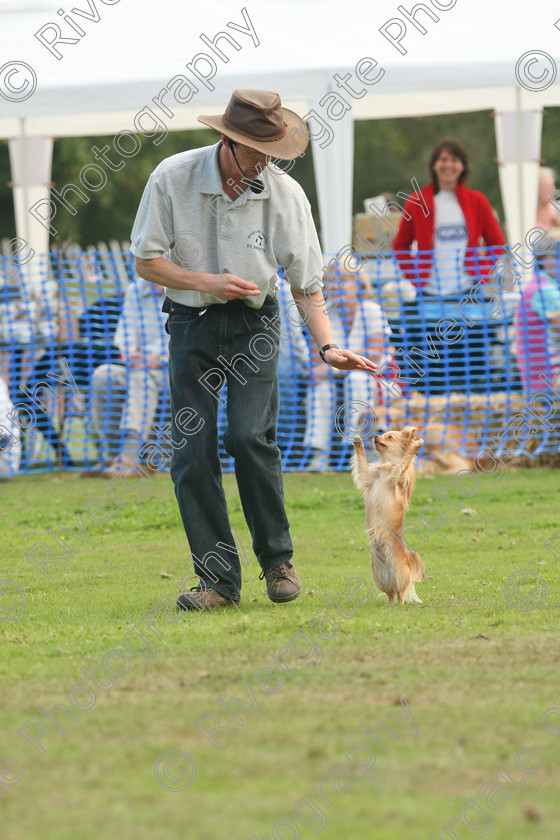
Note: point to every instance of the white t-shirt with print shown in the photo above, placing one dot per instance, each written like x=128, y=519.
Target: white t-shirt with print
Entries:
x=451, y=238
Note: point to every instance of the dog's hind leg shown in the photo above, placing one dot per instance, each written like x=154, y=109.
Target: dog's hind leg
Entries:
x=417, y=568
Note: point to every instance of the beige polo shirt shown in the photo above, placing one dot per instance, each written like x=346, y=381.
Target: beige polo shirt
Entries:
x=185, y=211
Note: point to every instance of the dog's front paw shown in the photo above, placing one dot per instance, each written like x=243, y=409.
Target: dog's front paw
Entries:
x=357, y=440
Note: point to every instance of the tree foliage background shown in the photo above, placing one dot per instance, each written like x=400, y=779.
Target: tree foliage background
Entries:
x=387, y=155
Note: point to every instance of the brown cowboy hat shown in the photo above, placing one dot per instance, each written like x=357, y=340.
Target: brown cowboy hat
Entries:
x=256, y=118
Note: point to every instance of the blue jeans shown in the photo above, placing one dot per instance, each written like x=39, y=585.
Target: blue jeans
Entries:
x=207, y=346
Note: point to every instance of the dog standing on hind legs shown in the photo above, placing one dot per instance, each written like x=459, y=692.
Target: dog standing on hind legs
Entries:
x=387, y=487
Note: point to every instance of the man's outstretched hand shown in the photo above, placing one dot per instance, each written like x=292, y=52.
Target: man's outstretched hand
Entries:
x=346, y=360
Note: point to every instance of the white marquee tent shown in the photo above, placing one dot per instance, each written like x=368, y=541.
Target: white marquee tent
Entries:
x=118, y=55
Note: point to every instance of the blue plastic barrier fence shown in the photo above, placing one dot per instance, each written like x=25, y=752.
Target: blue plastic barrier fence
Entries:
x=474, y=365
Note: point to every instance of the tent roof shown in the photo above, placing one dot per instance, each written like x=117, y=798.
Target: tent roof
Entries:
x=137, y=46
x=464, y=60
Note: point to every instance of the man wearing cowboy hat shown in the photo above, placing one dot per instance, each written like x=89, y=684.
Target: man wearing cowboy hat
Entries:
x=231, y=218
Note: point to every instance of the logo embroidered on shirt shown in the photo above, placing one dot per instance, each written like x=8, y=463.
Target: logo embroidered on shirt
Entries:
x=447, y=233
x=257, y=240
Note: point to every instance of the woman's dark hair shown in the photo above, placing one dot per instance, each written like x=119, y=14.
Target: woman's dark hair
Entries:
x=457, y=150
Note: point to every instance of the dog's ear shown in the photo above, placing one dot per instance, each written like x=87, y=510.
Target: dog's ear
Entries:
x=417, y=445
x=409, y=431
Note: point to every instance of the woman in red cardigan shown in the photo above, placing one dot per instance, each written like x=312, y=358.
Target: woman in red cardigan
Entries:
x=449, y=223
x=458, y=220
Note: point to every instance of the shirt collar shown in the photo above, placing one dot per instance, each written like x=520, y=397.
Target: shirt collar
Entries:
x=211, y=179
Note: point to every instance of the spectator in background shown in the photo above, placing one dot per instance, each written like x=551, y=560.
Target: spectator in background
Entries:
x=449, y=222
x=83, y=352
x=125, y=396
x=29, y=331
x=293, y=376
x=27, y=318
x=547, y=211
x=537, y=323
x=10, y=439
x=359, y=323
x=457, y=219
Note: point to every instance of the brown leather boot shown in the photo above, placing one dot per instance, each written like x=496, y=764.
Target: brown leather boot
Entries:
x=282, y=583
x=202, y=598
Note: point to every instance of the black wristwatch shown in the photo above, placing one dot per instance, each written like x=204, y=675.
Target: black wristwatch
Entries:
x=327, y=347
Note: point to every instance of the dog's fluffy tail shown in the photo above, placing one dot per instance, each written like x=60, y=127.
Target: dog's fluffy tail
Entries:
x=410, y=596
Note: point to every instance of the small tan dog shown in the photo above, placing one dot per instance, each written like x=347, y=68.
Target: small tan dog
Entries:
x=387, y=487
x=443, y=442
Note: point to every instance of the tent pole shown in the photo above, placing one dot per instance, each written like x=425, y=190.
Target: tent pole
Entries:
x=25, y=172
x=520, y=195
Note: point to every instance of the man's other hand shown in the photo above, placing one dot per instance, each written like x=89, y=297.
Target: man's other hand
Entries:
x=230, y=286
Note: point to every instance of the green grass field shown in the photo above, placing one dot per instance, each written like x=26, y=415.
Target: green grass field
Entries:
x=477, y=674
